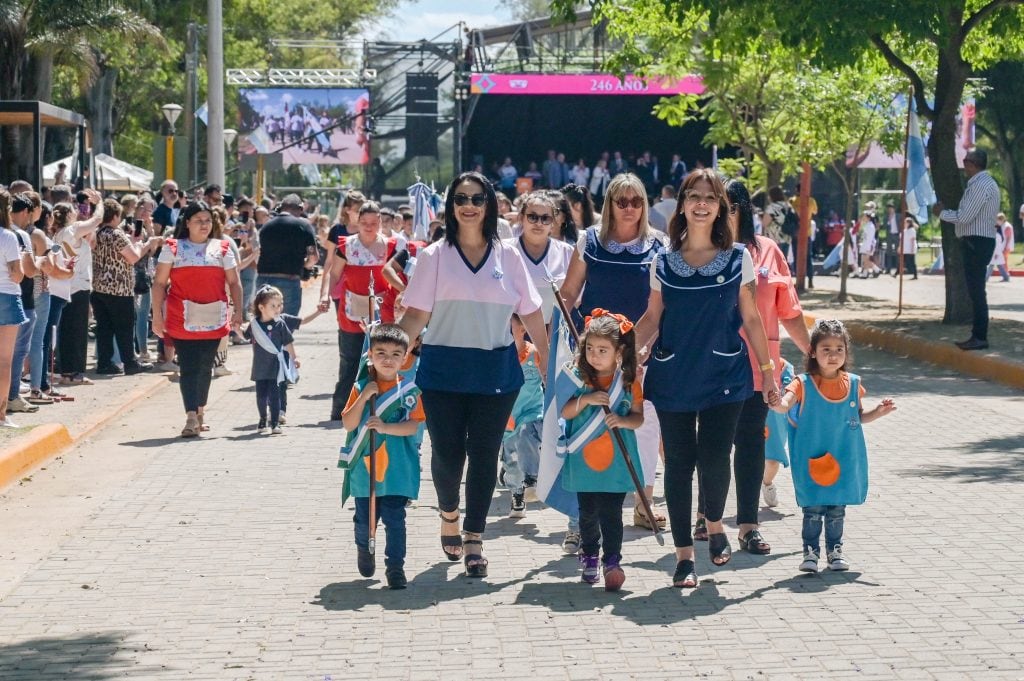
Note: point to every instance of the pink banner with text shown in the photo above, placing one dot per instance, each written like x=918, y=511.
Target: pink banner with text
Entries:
x=582, y=84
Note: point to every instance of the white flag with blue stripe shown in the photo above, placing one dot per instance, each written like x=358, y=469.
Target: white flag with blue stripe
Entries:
x=920, y=194
x=422, y=210
x=562, y=384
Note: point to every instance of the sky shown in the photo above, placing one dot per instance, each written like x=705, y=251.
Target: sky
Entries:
x=425, y=19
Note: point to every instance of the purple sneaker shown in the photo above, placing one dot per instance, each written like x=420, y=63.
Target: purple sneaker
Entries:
x=613, y=574
x=591, y=571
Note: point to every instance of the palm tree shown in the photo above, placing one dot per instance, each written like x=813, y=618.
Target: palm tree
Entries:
x=38, y=34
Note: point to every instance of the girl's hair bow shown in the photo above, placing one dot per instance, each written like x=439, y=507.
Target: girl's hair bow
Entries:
x=625, y=326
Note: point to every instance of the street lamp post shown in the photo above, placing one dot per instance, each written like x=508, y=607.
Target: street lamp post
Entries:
x=171, y=113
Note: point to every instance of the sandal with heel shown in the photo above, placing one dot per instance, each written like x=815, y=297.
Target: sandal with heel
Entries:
x=451, y=541
x=700, y=529
x=479, y=563
x=685, y=576
x=718, y=547
x=753, y=542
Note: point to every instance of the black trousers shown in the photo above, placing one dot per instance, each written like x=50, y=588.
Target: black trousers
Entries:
x=115, y=319
x=977, y=252
x=466, y=426
x=350, y=347
x=195, y=369
x=601, y=522
x=747, y=461
x=686, y=448
x=73, y=335
x=268, y=394
x=910, y=264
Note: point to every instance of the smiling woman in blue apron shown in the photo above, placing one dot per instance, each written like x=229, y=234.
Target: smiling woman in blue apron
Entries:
x=698, y=376
x=611, y=270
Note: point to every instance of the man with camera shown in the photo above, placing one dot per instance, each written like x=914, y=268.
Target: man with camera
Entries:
x=287, y=250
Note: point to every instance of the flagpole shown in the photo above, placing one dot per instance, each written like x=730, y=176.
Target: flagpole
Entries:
x=614, y=431
x=372, y=542
x=903, y=202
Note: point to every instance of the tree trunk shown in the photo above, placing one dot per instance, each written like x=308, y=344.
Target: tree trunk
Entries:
x=12, y=64
x=100, y=98
x=950, y=80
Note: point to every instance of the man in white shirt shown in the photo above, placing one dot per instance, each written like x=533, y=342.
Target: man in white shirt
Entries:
x=664, y=210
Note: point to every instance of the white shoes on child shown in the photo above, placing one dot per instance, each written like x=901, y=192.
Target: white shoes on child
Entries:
x=771, y=495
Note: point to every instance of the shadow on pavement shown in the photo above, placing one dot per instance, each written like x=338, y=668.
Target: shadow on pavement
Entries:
x=84, y=657
x=317, y=398
x=158, y=441
x=993, y=460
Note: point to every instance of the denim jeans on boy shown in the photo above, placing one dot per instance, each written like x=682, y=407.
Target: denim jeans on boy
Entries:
x=143, y=303
x=391, y=510
x=36, y=356
x=520, y=455
x=21, y=346
x=832, y=517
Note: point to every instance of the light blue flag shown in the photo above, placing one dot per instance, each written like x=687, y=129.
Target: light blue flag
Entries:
x=920, y=194
x=422, y=210
x=562, y=384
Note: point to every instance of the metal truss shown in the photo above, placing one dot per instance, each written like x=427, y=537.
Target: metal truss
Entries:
x=301, y=77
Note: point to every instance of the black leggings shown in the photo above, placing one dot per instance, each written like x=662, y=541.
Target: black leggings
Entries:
x=747, y=462
x=687, y=447
x=601, y=522
x=268, y=394
x=461, y=426
x=350, y=350
x=195, y=369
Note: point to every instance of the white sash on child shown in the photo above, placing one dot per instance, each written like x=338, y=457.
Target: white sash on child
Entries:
x=384, y=402
x=595, y=425
x=286, y=370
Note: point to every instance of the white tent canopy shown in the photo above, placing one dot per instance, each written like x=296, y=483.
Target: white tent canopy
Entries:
x=109, y=174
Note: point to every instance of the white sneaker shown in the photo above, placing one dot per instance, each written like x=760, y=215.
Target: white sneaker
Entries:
x=276, y=430
x=836, y=562
x=20, y=405
x=7, y=423
x=518, y=508
x=221, y=370
x=571, y=543
x=530, y=494
x=810, y=563
x=771, y=495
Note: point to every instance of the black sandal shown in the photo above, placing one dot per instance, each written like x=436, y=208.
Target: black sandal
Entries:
x=450, y=541
x=718, y=546
x=479, y=566
x=753, y=542
x=685, y=576
x=700, y=530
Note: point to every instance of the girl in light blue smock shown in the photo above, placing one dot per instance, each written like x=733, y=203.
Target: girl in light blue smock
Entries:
x=826, y=444
x=776, y=441
x=595, y=467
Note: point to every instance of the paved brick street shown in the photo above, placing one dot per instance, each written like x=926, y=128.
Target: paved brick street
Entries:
x=143, y=556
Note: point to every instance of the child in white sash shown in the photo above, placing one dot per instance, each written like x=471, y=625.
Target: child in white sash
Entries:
x=270, y=365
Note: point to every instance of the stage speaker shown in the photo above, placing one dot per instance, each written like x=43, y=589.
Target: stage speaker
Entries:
x=421, y=114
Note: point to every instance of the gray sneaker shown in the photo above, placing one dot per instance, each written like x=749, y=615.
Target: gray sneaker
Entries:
x=518, y=509
x=810, y=563
x=571, y=543
x=836, y=562
x=19, y=405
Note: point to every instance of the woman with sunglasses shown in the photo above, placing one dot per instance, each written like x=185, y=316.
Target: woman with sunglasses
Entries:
x=468, y=286
x=547, y=259
x=698, y=376
x=564, y=228
x=777, y=303
x=610, y=269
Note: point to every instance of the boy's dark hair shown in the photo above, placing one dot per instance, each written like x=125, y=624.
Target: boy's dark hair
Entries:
x=389, y=333
x=607, y=327
x=828, y=328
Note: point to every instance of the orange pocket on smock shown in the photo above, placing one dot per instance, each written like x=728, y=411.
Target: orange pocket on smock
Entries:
x=598, y=454
x=382, y=462
x=824, y=470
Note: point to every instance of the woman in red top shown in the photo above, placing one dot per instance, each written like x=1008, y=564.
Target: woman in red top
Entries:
x=777, y=302
x=193, y=273
x=358, y=257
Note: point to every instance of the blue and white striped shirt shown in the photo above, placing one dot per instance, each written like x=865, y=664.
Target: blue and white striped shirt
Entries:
x=976, y=214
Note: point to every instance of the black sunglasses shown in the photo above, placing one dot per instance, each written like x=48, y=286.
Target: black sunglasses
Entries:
x=534, y=218
x=476, y=199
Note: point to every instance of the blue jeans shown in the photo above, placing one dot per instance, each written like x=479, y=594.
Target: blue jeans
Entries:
x=143, y=303
x=52, y=321
x=36, y=358
x=248, y=279
x=832, y=517
x=21, y=346
x=291, y=289
x=520, y=455
x=391, y=510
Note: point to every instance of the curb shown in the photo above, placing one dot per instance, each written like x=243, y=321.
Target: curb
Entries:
x=940, y=354
x=47, y=440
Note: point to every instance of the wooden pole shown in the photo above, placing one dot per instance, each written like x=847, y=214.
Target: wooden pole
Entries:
x=903, y=203
x=372, y=543
x=637, y=483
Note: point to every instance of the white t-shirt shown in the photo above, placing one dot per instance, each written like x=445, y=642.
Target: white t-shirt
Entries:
x=10, y=250
x=867, y=237
x=909, y=240
x=747, y=277
x=82, y=279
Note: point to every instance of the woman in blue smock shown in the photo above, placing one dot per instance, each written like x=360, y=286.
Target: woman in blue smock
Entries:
x=611, y=270
x=698, y=374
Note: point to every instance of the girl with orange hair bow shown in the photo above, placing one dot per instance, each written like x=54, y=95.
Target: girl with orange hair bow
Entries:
x=606, y=365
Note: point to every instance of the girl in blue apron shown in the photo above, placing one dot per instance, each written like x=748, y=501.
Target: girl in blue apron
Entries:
x=776, y=440
x=826, y=443
x=698, y=376
x=594, y=466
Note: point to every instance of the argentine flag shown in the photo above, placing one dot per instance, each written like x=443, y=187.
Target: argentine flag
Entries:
x=562, y=384
x=920, y=194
